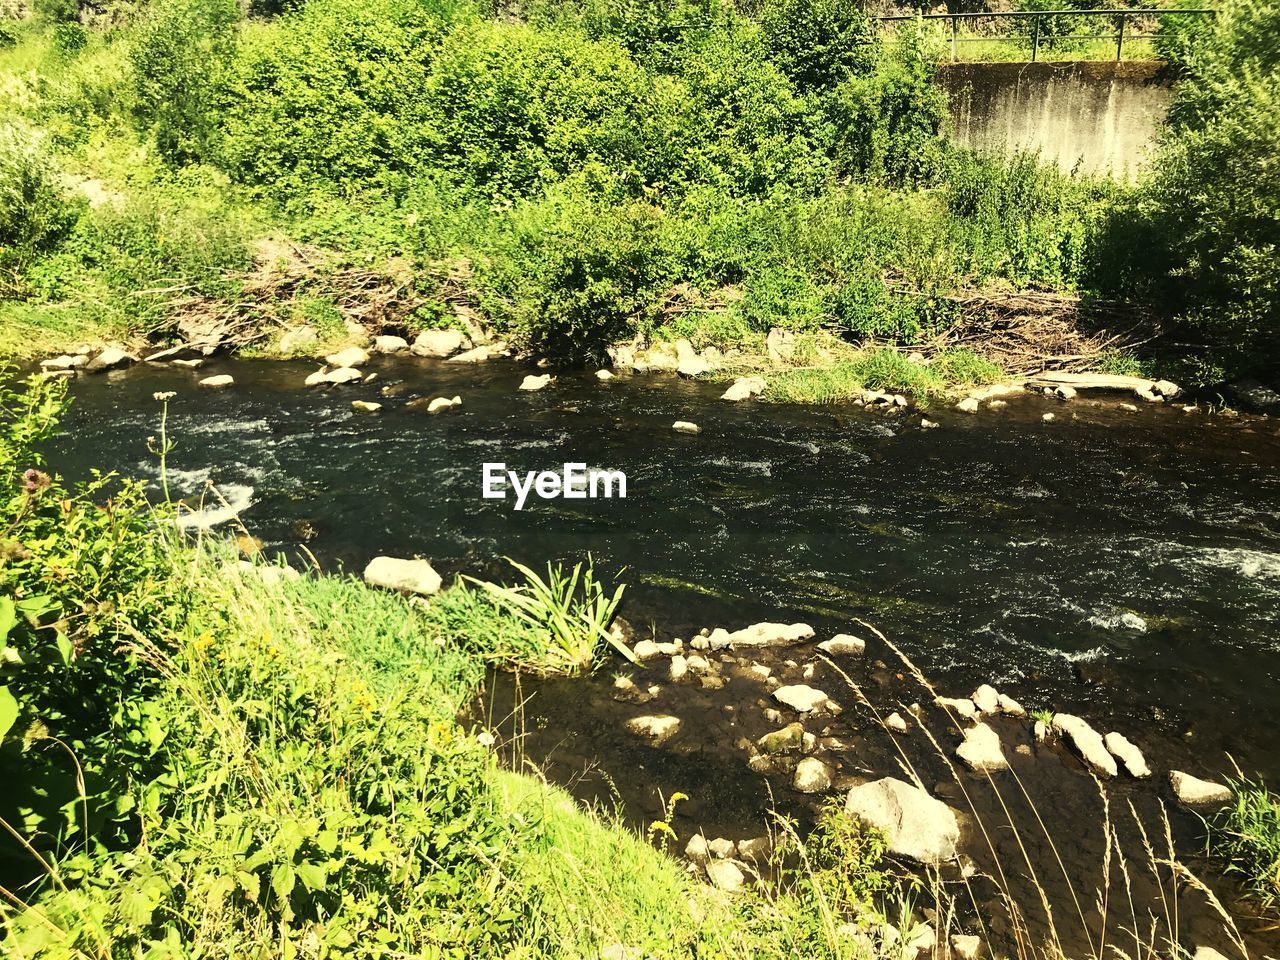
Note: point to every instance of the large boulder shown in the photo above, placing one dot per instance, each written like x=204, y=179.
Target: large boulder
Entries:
x=780, y=344
x=440, y=344
x=915, y=824
x=110, y=358
x=389, y=344
x=1087, y=742
x=406, y=576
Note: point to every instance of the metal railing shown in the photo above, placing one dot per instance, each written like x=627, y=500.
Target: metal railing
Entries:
x=1038, y=17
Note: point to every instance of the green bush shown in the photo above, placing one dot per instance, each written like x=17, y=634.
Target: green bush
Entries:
x=178, y=54
x=818, y=43
x=34, y=212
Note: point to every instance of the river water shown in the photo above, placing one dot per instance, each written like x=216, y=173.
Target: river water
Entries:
x=1123, y=565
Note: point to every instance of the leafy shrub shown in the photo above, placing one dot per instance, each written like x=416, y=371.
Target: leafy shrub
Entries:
x=178, y=54
x=34, y=213
x=889, y=120
x=69, y=38
x=817, y=43
x=56, y=11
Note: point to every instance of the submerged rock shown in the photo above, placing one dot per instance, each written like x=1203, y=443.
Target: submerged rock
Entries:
x=684, y=426
x=843, y=644
x=967, y=405
x=535, y=382
x=217, y=383
x=1087, y=743
x=195, y=364
x=365, y=406
x=744, y=388
x=915, y=824
x=657, y=729
x=1128, y=754
x=812, y=776
x=439, y=344
x=1194, y=792
x=406, y=576
x=981, y=750
x=801, y=698
x=440, y=404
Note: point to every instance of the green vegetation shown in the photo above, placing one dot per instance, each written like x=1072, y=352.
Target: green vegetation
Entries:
x=882, y=369
x=1246, y=834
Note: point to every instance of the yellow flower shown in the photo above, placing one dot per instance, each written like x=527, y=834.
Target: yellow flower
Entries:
x=203, y=642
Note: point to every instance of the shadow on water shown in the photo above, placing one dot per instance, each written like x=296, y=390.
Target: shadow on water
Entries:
x=1122, y=565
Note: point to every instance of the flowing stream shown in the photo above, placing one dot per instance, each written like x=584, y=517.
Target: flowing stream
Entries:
x=1121, y=565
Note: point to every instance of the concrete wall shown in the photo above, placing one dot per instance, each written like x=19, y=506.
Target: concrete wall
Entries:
x=1103, y=116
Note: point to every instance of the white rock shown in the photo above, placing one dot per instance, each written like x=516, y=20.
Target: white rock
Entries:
x=1087, y=742
x=696, y=849
x=1194, y=792
x=439, y=344
x=744, y=388
x=722, y=849
x=843, y=644
x=927, y=424
x=110, y=358
x=1207, y=953
x=604, y=375
x=657, y=729
x=195, y=364
x=350, y=357
x=1128, y=754
x=693, y=366
x=1010, y=707
x=812, y=776
x=479, y=354
x=1166, y=389
x=780, y=344
x=986, y=699
x=761, y=635
x=388, y=344
x=440, y=404
x=967, y=405
x=679, y=667
x=684, y=426
x=1065, y=392
x=365, y=406
x=340, y=375
x=532, y=382
x=645, y=650
x=725, y=875
x=754, y=848
x=64, y=362
x=1048, y=418
x=802, y=698
x=896, y=723
x=218, y=382
x=981, y=749
x=697, y=664
x=960, y=706
x=407, y=576
x=965, y=946
x=915, y=824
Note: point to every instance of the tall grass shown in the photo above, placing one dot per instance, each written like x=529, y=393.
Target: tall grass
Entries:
x=1246, y=834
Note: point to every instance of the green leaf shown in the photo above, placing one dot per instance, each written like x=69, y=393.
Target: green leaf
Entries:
x=8, y=712
x=8, y=616
x=313, y=876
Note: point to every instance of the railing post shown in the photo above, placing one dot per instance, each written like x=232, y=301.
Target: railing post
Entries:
x=954, y=24
x=1035, y=37
x=1120, y=38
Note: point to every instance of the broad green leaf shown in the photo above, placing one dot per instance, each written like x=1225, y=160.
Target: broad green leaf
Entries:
x=8, y=712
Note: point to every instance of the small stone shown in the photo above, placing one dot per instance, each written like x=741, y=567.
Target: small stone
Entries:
x=1065, y=393
x=981, y=749
x=965, y=946
x=679, y=667
x=967, y=405
x=645, y=650
x=441, y=404
x=195, y=364
x=744, y=388
x=217, y=383
x=365, y=406
x=1010, y=707
x=986, y=699
x=697, y=664
x=684, y=426
x=479, y=354
x=844, y=644
x=754, y=848
x=389, y=345
x=109, y=358
x=812, y=776
x=1194, y=792
x=657, y=729
x=1127, y=753
x=801, y=698
x=350, y=357
x=604, y=375
x=65, y=362
x=1087, y=742
x=896, y=723
x=997, y=404
x=696, y=849
x=787, y=740
x=1207, y=953
x=1048, y=417
x=725, y=875
x=960, y=706
x=1166, y=389
x=927, y=424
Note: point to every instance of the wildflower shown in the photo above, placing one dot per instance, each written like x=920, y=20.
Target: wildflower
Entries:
x=163, y=395
x=485, y=738
x=204, y=641
x=33, y=481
